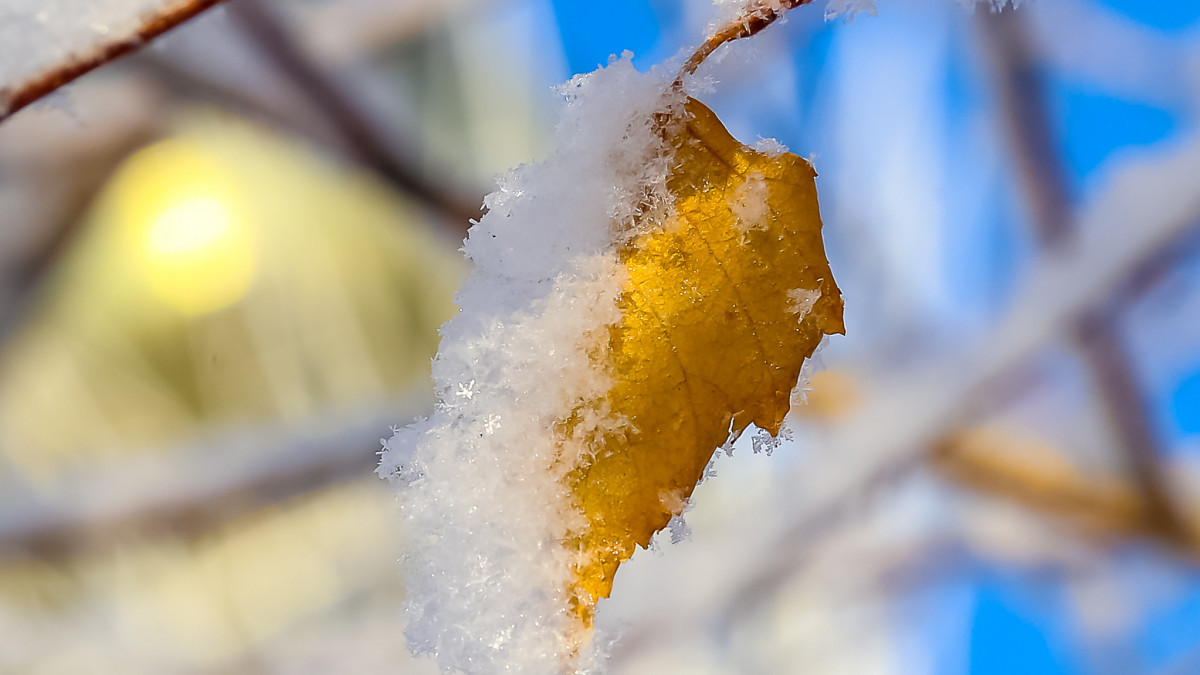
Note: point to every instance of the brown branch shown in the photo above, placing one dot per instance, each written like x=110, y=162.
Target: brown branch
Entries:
x=367, y=142
x=754, y=17
x=20, y=95
x=1043, y=181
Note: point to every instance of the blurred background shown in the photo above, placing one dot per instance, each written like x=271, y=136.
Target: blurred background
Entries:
x=223, y=261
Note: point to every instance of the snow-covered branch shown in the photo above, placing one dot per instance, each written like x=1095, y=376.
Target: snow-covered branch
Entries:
x=44, y=45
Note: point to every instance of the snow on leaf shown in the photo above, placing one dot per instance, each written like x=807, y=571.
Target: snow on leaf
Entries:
x=708, y=340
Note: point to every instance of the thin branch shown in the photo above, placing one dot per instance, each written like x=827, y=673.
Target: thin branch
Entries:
x=754, y=17
x=368, y=143
x=21, y=94
x=1044, y=184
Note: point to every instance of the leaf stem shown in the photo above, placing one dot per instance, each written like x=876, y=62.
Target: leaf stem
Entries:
x=755, y=16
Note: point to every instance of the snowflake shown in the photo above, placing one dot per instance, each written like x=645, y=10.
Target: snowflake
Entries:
x=491, y=424
x=467, y=390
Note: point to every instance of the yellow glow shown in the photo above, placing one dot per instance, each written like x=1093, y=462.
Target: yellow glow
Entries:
x=182, y=216
x=188, y=227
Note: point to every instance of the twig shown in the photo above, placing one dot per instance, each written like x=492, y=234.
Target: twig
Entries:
x=1044, y=184
x=21, y=94
x=367, y=142
x=754, y=17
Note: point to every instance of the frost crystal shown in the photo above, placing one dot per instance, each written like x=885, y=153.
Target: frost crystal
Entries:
x=763, y=442
x=679, y=529
x=481, y=482
x=771, y=147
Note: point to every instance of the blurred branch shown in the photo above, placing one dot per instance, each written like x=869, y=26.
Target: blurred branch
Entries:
x=192, y=490
x=349, y=29
x=1122, y=398
x=189, y=81
x=1043, y=181
x=17, y=96
x=1022, y=106
x=367, y=141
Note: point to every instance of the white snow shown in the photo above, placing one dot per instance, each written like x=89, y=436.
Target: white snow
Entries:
x=480, y=480
x=750, y=205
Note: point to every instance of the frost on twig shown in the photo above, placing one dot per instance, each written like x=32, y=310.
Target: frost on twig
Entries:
x=45, y=44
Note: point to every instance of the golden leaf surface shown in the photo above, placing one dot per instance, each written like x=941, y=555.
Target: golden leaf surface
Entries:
x=724, y=302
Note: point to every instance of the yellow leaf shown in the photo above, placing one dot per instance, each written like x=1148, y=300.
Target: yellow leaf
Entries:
x=725, y=300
